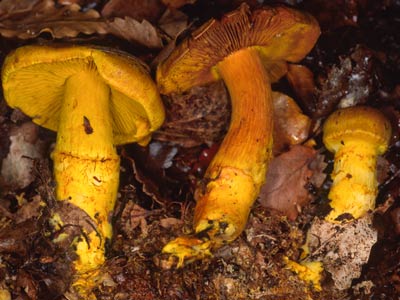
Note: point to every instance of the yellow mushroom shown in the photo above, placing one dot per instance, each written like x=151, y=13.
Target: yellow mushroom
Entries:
x=247, y=50
x=95, y=99
x=357, y=135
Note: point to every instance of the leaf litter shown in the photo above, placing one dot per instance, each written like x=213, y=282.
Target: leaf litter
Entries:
x=155, y=199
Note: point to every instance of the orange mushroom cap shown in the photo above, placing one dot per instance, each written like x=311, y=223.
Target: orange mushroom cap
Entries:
x=279, y=34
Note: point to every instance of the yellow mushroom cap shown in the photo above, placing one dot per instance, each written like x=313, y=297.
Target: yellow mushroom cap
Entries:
x=357, y=123
x=34, y=77
x=279, y=34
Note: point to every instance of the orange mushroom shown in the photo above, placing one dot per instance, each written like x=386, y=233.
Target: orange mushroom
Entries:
x=248, y=50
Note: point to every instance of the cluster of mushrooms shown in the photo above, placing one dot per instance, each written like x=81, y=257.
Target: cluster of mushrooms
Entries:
x=97, y=99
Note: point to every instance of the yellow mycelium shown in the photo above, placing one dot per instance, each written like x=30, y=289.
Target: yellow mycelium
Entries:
x=309, y=271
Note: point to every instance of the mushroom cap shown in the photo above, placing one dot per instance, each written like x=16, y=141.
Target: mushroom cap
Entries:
x=357, y=123
x=34, y=77
x=279, y=34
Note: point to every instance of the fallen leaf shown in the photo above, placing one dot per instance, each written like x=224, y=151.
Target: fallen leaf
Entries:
x=285, y=187
x=342, y=248
x=44, y=16
x=69, y=21
x=177, y=3
x=143, y=33
x=16, y=8
x=149, y=10
x=291, y=126
x=173, y=22
x=135, y=216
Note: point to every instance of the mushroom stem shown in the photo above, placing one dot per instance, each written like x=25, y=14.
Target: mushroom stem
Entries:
x=354, y=178
x=235, y=175
x=86, y=165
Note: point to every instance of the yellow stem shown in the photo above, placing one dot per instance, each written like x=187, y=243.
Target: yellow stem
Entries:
x=354, y=186
x=238, y=170
x=86, y=165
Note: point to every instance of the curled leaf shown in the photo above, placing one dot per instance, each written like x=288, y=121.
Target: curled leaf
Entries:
x=69, y=21
x=44, y=16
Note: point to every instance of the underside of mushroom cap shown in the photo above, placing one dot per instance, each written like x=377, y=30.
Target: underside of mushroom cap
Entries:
x=34, y=78
x=357, y=123
x=279, y=34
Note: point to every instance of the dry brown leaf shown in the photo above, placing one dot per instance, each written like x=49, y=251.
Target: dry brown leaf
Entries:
x=16, y=8
x=173, y=22
x=134, y=216
x=342, y=248
x=285, y=187
x=291, y=126
x=149, y=10
x=177, y=3
x=69, y=21
x=44, y=16
x=143, y=33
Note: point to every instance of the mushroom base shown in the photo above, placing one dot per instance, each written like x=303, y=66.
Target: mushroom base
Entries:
x=95, y=193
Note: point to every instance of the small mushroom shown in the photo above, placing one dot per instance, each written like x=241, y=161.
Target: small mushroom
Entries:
x=247, y=50
x=341, y=243
x=95, y=99
x=357, y=135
